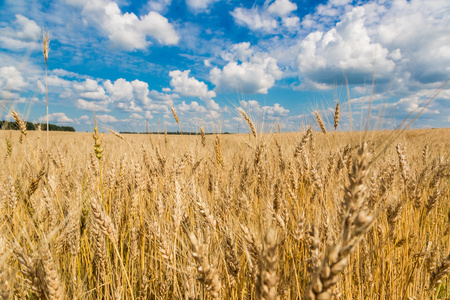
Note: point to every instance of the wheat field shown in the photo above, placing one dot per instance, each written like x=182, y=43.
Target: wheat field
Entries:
x=307, y=215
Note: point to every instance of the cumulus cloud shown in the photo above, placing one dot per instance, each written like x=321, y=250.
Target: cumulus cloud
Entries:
x=120, y=90
x=126, y=30
x=163, y=97
x=148, y=115
x=11, y=79
x=141, y=92
x=56, y=118
x=136, y=116
x=90, y=89
x=83, y=120
x=107, y=119
x=23, y=34
x=419, y=30
x=128, y=106
x=406, y=108
x=191, y=107
x=128, y=96
x=269, y=17
x=254, y=107
x=191, y=87
x=92, y=106
x=348, y=49
x=282, y=8
x=247, y=71
x=103, y=95
x=407, y=42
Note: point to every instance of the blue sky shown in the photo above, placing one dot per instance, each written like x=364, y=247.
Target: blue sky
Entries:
x=279, y=60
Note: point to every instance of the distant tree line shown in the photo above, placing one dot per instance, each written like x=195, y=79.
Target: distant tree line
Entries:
x=33, y=126
x=175, y=132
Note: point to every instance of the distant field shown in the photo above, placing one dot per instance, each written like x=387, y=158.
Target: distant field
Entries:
x=280, y=216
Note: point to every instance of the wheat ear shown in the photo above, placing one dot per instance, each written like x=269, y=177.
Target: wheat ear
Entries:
x=320, y=121
x=301, y=146
x=266, y=286
x=249, y=121
x=208, y=274
x=336, y=116
x=51, y=278
x=203, y=135
x=355, y=223
x=440, y=272
x=20, y=122
x=218, y=149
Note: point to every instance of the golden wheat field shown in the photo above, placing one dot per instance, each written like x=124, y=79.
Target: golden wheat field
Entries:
x=307, y=215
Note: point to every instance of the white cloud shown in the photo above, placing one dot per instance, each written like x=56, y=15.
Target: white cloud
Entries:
x=276, y=110
x=282, y=8
x=136, y=116
x=247, y=71
x=107, y=118
x=255, y=108
x=158, y=108
x=57, y=118
x=291, y=22
x=128, y=96
x=268, y=18
x=65, y=73
x=241, y=52
x=128, y=106
x=85, y=119
x=192, y=107
x=348, y=49
x=191, y=87
x=159, y=5
x=148, y=115
x=407, y=41
x=7, y=97
x=121, y=94
x=141, y=92
x=126, y=30
x=88, y=85
x=92, y=106
x=11, y=79
x=199, y=5
x=90, y=89
x=419, y=29
x=168, y=99
x=23, y=35
x=120, y=90
x=213, y=115
x=253, y=19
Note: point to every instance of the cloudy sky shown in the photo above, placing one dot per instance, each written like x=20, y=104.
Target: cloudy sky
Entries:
x=127, y=61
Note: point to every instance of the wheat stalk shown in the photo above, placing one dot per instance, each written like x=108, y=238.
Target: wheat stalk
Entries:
x=45, y=50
